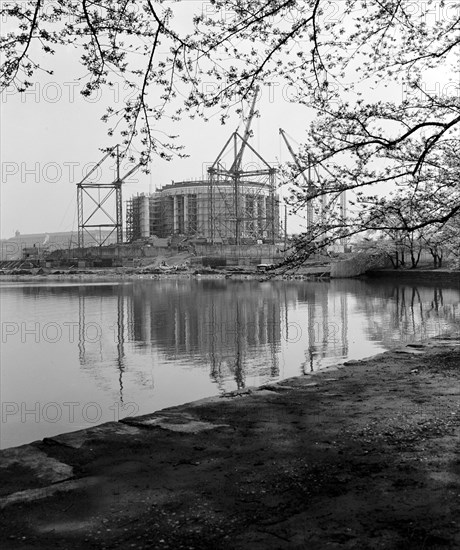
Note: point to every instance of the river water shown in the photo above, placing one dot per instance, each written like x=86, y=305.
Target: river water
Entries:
x=75, y=355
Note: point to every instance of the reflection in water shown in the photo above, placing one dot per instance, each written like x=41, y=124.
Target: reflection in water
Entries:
x=85, y=336
x=120, y=343
x=235, y=329
x=406, y=313
x=160, y=343
x=239, y=329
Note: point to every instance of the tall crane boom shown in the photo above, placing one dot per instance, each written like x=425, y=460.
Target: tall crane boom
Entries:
x=247, y=132
x=294, y=156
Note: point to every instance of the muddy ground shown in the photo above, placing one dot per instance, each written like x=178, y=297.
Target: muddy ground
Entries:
x=366, y=457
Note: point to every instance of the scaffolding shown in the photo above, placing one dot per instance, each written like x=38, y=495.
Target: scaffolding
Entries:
x=138, y=218
x=237, y=205
x=133, y=229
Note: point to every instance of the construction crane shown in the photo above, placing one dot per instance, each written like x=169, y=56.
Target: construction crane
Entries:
x=310, y=185
x=307, y=180
x=247, y=134
x=230, y=213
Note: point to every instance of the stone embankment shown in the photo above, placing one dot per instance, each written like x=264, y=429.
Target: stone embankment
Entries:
x=164, y=272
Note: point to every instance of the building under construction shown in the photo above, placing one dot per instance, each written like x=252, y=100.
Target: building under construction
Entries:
x=201, y=209
x=234, y=205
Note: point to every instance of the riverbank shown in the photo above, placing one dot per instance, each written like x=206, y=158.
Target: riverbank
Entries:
x=237, y=273
x=363, y=456
x=244, y=273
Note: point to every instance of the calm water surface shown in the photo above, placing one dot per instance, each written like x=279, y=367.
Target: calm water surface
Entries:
x=75, y=355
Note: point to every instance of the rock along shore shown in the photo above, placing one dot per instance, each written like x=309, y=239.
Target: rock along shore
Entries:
x=362, y=456
x=310, y=272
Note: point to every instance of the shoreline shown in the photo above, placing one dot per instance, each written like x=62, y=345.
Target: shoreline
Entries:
x=364, y=452
x=307, y=274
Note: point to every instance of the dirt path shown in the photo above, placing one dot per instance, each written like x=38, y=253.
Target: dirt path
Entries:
x=363, y=457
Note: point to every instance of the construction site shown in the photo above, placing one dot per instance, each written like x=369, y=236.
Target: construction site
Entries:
x=232, y=216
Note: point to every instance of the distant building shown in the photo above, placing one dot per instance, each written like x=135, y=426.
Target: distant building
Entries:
x=32, y=253
x=21, y=245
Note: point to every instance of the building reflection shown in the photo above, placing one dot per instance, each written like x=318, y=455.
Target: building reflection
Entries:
x=234, y=328
x=325, y=317
x=106, y=342
x=237, y=330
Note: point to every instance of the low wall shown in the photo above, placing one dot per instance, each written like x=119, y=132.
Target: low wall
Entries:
x=228, y=254
x=267, y=251
x=114, y=252
x=359, y=264
x=213, y=254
